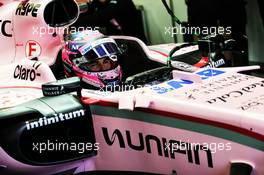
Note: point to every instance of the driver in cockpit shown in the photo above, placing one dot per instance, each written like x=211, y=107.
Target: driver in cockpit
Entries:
x=93, y=57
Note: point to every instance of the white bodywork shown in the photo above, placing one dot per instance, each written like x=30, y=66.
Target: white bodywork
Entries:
x=25, y=33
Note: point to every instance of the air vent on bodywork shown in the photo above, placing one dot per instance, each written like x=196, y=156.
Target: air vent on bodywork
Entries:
x=48, y=131
x=60, y=13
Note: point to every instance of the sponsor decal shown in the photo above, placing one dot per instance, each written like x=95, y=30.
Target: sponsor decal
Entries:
x=162, y=89
x=53, y=91
x=220, y=84
x=152, y=144
x=33, y=49
x=56, y=118
x=209, y=73
x=183, y=66
x=26, y=9
x=251, y=105
x=3, y=25
x=23, y=73
x=75, y=46
x=255, y=103
x=214, y=64
x=236, y=94
x=176, y=84
x=90, y=45
x=86, y=48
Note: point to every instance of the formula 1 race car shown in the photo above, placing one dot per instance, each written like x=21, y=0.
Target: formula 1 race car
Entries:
x=199, y=119
x=192, y=123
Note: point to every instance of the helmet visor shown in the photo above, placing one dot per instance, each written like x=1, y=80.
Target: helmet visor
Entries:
x=105, y=47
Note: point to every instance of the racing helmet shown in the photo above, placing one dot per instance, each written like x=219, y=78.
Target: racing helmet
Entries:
x=93, y=57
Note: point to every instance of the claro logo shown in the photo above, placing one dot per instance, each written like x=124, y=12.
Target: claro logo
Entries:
x=151, y=144
x=23, y=73
x=4, y=27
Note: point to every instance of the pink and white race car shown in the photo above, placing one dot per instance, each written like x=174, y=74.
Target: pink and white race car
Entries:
x=203, y=120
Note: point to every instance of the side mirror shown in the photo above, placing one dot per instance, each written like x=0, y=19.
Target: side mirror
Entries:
x=63, y=86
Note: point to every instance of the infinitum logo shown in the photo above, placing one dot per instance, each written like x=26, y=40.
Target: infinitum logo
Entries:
x=44, y=121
